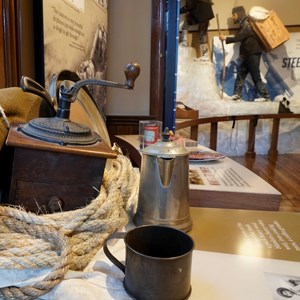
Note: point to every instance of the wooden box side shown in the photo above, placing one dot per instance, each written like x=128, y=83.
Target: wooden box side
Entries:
x=270, y=31
x=186, y=112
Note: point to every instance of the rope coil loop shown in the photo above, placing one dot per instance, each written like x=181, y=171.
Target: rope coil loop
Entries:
x=66, y=240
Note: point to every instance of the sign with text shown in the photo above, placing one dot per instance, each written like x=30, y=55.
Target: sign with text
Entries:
x=75, y=39
x=251, y=233
x=279, y=69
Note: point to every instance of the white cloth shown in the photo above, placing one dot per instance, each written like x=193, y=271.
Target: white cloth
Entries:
x=258, y=13
x=100, y=280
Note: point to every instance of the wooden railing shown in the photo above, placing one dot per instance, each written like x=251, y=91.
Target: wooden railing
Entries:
x=253, y=119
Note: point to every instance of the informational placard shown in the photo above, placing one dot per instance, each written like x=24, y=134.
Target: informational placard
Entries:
x=227, y=184
x=245, y=254
x=75, y=39
x=279, y=70
x=219, y=276
x=227, y=175
x=251, y=233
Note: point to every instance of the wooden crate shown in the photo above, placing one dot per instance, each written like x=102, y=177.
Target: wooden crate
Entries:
x=270, y=31
x=185, y=112
x=47, y=177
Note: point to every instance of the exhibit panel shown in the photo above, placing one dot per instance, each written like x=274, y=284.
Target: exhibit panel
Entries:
x=208, y=86
x=279, y=69
x=73, y=37
x=288, y=10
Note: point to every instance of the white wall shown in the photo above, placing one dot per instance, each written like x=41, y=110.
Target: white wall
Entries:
x=129, y=40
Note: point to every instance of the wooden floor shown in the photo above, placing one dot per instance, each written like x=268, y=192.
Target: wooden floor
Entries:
x=283, y=173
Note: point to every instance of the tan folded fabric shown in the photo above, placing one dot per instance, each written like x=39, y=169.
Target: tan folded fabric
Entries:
x=19, y=107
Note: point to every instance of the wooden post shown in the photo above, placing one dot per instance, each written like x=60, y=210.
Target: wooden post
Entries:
x=274, y=138
x=224, y=57
x=251, y=139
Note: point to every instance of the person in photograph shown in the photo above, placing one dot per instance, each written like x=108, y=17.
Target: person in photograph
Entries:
x=103, y=3
x=198, y=12
x=285, y=292
x=250, y=52
x=294, y=290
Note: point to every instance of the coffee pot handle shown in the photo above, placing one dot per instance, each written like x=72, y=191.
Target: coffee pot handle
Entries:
x=113, y=259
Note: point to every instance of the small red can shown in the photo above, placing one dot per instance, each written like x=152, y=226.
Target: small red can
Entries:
x=151, y=133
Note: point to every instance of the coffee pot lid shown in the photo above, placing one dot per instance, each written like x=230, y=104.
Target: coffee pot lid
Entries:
x=165, y=148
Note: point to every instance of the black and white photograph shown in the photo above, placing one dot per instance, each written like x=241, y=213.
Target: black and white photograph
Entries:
x=284, y=286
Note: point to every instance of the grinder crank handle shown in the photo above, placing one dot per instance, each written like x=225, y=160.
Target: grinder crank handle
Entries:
x=132, y=71
x=29, y=85
x=68, y=93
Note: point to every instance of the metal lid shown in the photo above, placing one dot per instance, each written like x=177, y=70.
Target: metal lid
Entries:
x=165, y=148
x=60, y=131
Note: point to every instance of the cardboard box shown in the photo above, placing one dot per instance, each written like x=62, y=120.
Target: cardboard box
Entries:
x=271, y=31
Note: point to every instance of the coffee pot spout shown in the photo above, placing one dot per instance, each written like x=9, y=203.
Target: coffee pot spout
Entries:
x=165, y=167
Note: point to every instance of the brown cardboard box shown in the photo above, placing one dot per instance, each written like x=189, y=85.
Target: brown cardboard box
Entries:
x=271, y=31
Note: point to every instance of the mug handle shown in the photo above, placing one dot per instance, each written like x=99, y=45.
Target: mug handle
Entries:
x=114, y=260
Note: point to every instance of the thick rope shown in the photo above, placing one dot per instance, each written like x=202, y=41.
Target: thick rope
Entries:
x=65, y=240
x=2, y=113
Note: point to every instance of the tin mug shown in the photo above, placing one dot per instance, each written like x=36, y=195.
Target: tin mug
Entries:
x=158, y=262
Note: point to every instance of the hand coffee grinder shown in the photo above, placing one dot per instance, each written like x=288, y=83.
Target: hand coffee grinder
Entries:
x=59, y=164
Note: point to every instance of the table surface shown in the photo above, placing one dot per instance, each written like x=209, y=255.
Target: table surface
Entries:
x=222, y=183
x=224, y=173
x=229, y=262
x=239, y=255
x=244, y=254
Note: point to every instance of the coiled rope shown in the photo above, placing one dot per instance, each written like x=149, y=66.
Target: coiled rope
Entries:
x=2, y=113
x=66, y=240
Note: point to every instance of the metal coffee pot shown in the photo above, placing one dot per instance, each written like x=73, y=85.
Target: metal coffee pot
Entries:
x=164, y=185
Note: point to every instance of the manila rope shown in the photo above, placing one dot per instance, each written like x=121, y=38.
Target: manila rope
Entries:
x=66, y=240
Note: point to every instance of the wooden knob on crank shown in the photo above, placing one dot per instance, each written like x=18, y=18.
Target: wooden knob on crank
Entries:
x=132, y=71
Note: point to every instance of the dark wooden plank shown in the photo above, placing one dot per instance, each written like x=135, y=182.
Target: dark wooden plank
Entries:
x=234, y=200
